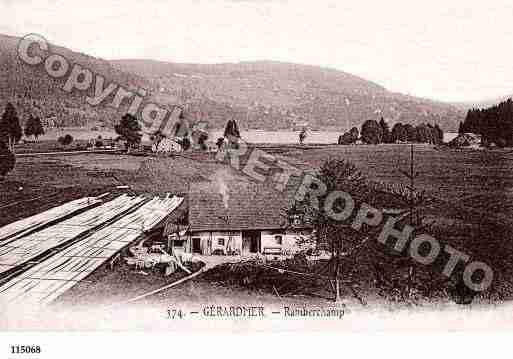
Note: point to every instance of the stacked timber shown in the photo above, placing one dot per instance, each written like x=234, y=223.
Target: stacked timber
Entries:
x=44, y=282
x=19, y=228
x=19, y=250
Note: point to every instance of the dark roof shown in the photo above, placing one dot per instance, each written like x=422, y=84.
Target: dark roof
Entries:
x=248, y=206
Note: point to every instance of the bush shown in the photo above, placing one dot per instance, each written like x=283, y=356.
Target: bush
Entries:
x=129, y=130
x=202, y=139
x=371, y=132
x=219, y=142
x=186, y=143
x=7, y=160
x=346, y=139
x=34, y=127
x=65, y=140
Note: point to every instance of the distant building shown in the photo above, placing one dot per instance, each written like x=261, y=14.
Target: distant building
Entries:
x=468, y=140
x=166, y=145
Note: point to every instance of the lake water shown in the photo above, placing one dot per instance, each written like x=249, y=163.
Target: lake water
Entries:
x=256, y=136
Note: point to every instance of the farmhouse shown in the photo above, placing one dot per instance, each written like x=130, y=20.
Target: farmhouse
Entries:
x=470, y=140
x=240, y=219
x=166, y=145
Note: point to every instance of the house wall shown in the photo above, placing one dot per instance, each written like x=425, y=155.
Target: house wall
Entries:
x=180, y=247
x=233, y=240
x=210, y=241
x=289, y=239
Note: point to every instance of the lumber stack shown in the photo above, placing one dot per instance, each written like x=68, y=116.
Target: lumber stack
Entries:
x=19, y=250
x=19, y=228
x=49, y=279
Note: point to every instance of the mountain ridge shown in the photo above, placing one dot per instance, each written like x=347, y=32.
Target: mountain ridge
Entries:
x=262, y=92
x=258, y=94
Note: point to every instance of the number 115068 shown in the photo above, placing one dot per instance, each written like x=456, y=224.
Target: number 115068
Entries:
x=25, y=349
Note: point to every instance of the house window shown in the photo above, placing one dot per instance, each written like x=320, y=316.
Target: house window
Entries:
x=279, y=240
x=179, y=243
x=220, y=241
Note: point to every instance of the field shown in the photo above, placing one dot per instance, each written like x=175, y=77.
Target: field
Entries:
x=472, y=194
x=482, y=180
x=40, y=182
x=472, y=191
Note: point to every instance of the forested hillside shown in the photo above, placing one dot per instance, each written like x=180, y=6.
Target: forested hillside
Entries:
x=274, y=95
x=259, y=95
x=494, y=124
x=33, y=91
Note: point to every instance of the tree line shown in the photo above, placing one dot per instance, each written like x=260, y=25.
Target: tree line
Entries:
x=11, y=133
x=494, y=124
x=374, y=132
x=11, y=130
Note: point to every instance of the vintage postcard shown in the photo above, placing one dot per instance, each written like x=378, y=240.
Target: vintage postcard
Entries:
x=240, y=166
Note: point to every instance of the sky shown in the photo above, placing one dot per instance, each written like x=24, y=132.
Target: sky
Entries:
x=444, y=50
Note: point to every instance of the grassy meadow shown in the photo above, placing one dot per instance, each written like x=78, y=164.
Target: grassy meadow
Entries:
x=476, y=179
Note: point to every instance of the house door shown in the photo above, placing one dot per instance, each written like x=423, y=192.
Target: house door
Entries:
x=251, y=242
x=196, y=245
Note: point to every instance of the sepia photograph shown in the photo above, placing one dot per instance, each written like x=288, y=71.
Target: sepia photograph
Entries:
x=249, y=166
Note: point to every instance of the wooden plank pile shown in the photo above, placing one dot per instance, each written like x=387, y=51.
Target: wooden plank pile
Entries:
x=47, y=280
x=19, y=250
x=21, y=227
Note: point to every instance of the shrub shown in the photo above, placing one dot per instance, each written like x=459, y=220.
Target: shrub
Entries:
x=372, y=132
x=129, y=130
x=34, y=127
x=65, y=140
x=186, y=143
